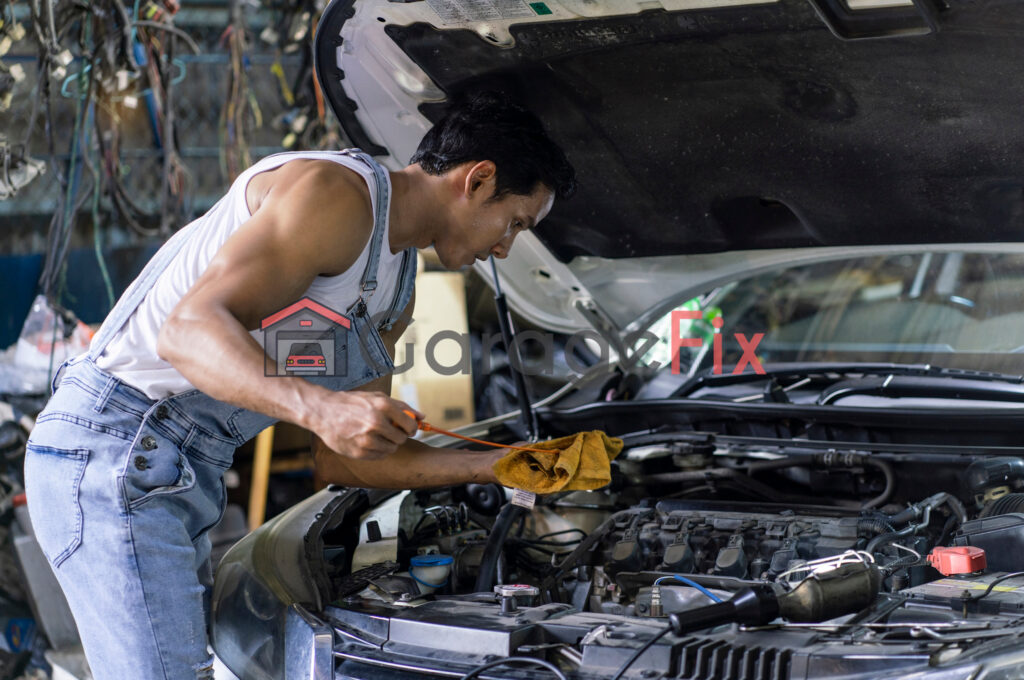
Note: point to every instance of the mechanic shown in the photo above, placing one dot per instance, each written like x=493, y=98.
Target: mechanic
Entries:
x=124, y=469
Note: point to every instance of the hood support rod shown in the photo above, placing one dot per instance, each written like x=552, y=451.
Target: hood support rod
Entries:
x=526, y=413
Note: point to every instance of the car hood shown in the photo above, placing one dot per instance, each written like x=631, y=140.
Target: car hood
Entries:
x=711, y=137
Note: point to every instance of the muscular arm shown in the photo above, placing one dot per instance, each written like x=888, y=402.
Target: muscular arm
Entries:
x=413, y=465
x=313, y=220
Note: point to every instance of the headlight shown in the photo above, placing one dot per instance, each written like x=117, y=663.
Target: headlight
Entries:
x=260, y=625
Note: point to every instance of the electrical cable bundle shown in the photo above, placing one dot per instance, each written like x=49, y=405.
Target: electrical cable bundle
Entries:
x=241, y=111
x=304, y=124
x=109, y=58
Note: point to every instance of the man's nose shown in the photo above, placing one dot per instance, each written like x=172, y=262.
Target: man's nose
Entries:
x=501, y=248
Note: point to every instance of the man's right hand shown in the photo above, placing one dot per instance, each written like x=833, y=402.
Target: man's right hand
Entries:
x=363, y=425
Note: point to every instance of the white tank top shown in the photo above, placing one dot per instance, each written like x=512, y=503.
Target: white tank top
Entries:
x=131, y=354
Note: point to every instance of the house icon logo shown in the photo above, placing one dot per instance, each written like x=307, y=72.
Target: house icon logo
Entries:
x=306, y=338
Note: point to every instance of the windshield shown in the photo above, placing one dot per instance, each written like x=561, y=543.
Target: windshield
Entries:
x=955, y=310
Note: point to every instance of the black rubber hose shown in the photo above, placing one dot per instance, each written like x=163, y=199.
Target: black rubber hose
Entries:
x=875, y=525
x=507, y=516
x=901, y=563
x=885, y=539
x=839, y=461
x=586, y=544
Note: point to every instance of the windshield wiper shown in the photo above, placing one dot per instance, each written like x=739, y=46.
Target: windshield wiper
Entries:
x=805, y=369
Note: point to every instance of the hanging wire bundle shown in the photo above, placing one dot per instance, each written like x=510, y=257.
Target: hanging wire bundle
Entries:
x=305, y=123
x=110, y=59
x=241, y=112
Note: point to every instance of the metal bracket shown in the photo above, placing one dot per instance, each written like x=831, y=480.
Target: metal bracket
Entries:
x=879, y=22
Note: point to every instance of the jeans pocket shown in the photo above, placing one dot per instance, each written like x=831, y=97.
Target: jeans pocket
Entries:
x=150, y=477
x=52, y=480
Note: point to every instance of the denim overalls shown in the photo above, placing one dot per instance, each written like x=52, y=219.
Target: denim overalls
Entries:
x=123, y=489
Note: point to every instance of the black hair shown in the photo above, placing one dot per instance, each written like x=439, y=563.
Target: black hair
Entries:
x=489, y=126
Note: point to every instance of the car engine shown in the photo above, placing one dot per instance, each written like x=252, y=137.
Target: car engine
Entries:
x=696, y=562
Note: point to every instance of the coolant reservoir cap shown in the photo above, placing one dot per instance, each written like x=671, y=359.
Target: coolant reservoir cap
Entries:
x=430, y=560
x=962, y=559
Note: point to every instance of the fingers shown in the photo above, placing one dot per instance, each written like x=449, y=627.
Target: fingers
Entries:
x=371, y=425
x=398, y=412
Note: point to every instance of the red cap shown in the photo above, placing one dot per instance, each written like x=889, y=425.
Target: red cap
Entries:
x=19, y=500
x=963, y=559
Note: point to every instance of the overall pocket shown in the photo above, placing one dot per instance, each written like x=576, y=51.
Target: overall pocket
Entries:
x=155, y=468
x=52, y=480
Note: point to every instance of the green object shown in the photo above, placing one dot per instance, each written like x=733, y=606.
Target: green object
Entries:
x=540, y=8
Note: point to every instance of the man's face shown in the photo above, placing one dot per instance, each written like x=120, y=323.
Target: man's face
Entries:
x=483, y=226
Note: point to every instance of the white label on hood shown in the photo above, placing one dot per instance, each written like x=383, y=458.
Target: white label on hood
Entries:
x=462, y=11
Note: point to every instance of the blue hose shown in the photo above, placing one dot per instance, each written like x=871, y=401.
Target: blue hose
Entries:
x=693, y=584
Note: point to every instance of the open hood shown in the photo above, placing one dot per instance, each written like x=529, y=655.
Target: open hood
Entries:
x=707, y=127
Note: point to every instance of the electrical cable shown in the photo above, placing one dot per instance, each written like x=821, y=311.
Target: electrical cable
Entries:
x=909, y=550
x=639, y=652
x=991, y=586
x=169, y=28
x=515, y=659
x=691, y=583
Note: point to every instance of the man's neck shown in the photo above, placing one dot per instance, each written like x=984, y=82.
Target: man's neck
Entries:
x=415, y=208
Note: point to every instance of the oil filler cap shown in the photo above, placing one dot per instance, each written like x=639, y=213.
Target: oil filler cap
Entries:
x=962, y=559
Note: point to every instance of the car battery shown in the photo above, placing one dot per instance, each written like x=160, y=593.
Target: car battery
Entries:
x=1000, y=536
x=1007, y=597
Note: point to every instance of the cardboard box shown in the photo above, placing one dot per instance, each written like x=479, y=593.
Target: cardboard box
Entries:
x=447, y=400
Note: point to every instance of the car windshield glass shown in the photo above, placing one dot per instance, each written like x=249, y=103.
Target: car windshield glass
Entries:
x=306, y=349
x=956, y=310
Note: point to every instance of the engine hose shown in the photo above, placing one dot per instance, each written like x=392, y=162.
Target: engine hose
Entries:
x=1011, y=502
x=901, y=563
x=885, y=539
x=890, y=482
x=833, y=459
x=875, y=525
x=573, y=557
x=507, y=516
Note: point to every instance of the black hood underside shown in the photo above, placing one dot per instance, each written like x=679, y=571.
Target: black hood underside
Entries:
x=756, y=127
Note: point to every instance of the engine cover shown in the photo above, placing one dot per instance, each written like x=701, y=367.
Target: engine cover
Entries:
x=726, y=540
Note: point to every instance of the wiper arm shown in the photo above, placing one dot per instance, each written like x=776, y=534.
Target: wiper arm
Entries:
x=923, y=386
x=804, y=369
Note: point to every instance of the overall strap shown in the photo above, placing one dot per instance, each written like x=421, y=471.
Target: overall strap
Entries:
x=380, y=216
x=133, y=297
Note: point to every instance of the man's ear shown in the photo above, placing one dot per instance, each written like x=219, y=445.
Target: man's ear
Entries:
x=481, y=176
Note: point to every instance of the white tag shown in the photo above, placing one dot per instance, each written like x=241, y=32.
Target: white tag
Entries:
x=524, y=499
x=130, y=102
x=18, y=73
x=122, y=79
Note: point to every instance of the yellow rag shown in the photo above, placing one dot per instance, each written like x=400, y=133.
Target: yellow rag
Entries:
x=578, y=462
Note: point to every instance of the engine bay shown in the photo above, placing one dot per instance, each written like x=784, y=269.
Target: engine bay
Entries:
x=700, y=559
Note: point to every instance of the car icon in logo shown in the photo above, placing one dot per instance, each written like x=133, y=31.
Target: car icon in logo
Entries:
x=306, y=338
x=306, y=358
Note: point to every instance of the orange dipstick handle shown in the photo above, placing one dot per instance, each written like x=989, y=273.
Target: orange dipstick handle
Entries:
x=427, y=427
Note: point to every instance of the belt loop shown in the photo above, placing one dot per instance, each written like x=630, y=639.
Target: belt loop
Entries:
x=101, y=401
x=57, y=375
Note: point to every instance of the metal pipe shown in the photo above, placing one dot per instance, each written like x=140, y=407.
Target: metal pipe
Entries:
x=515, y=357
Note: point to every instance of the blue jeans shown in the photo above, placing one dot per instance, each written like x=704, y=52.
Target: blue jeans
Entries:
x=122, y=491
